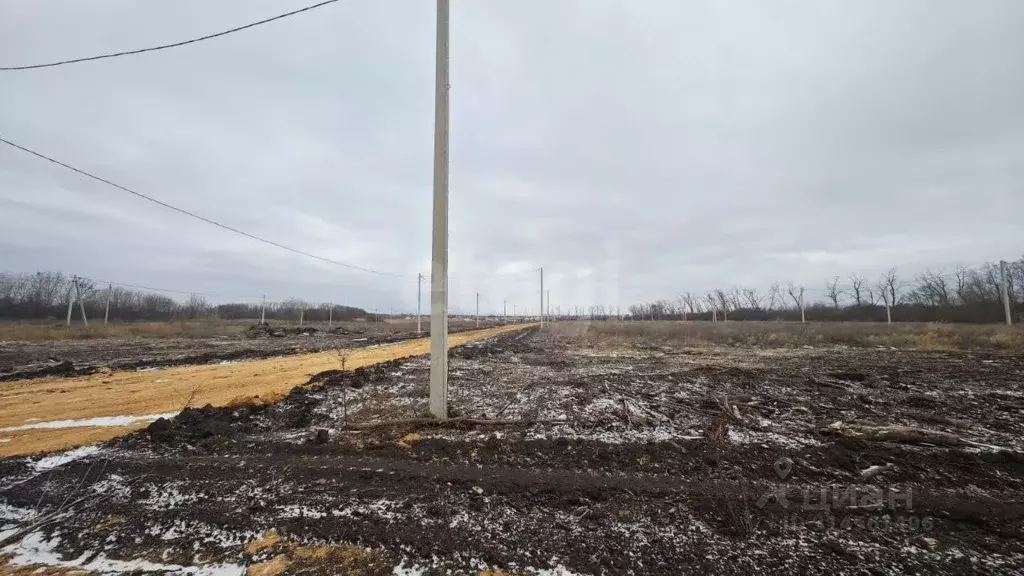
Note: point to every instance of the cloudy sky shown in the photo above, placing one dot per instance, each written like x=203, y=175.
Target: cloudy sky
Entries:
x=634, y=149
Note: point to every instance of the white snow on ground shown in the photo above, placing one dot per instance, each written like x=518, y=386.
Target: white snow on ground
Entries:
x=8, y=512
x=50, y=462
x=35, y=549
x=169, y=496
x=87, y=422
x=4, y=440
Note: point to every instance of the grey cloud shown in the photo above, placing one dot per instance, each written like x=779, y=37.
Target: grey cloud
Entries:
x=636, y=150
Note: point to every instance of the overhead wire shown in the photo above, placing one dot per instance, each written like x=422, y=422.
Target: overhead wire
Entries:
x=166, y=46
x=199, y=217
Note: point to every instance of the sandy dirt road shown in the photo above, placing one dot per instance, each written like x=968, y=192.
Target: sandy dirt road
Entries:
x=29, y=404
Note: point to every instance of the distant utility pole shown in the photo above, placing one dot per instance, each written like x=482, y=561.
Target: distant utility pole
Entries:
x=419, y=303
x=330, y=315
x=513, y=312
x=71, y=297
x=504, y=311
x=477, y=309
x=106, y=309
x=302, y=315
x=1006, y=293
x=803, y=319
x=81, y=304
x=263, y=310
x=439, y=248
x=541, y=311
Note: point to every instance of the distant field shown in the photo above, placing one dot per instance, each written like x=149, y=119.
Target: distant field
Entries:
x=918, y=336
x=42, y=331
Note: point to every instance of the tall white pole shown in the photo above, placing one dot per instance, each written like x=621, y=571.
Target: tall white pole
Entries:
x=439, y=250
x=504, y=311
x=1006, y=293
x=330, y=315
x=106, y=310
x=71, y=298
x=541, y=312
x=419, y=303
x=263, y=310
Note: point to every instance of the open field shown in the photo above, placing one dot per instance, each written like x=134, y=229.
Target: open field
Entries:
x=28, y=407
x=172, y=344
x=603, y=448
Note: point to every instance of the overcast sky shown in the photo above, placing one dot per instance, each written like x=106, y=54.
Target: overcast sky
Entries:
x=635, y=149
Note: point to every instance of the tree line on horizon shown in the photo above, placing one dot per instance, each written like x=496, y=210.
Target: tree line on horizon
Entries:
x=45, y=295
x=964, y=294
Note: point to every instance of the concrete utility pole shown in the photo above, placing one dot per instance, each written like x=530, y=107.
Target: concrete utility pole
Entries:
x=302, y=315
x=106, y=309
x=477, y=309
x=71, y=297
x=330, y=315
x=81, y=303
x=504, y=311
x=419, y=303
x=439, y=249
x=263, y=310
x=1006, y=293
x=541, y=311
x=803, y=319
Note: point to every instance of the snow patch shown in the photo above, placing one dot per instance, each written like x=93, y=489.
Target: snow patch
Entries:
x=51, y=462
x=89, y=422
x=35, y=549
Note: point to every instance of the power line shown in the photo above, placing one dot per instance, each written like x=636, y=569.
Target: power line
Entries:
x=174, y=45
x=168, y=290
x=197, y=216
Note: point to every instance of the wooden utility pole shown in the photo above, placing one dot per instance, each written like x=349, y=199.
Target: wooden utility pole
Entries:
x=439, y=247
x=1006, y=293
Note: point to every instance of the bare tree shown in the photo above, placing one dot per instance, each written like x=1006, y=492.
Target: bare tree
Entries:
x=857, y=289
x=752, y=298
x=833, y=291
x=775, y=297
x=798, y=300
x=891, y=284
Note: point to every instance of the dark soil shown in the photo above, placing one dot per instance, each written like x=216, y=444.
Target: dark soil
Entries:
x=25, y=360
x=623, y=461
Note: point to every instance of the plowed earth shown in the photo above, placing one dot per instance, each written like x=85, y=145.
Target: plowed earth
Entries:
x=599, y=459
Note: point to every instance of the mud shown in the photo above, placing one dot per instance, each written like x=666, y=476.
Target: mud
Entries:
x=607, y=460
x=27, y=360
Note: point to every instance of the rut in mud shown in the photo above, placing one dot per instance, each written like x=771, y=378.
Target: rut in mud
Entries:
x=607, y=459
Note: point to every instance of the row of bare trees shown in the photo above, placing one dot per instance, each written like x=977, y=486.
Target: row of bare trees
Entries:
x=46, y=295
x=963, y=294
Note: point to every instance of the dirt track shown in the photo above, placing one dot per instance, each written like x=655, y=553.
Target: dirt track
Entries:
x=141, y=393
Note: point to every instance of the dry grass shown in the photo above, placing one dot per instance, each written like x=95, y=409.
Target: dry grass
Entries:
x=37, y=331
x=917, y=336
x=40, y=331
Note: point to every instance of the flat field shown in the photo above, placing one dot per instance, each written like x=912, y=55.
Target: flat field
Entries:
x=582, y=448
